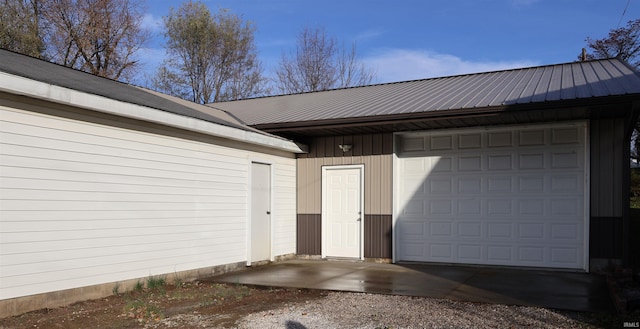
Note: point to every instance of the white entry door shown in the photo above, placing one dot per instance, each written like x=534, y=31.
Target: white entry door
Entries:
x=260, y=212
x=342, y=211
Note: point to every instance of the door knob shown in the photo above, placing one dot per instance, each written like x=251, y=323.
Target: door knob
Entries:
x=268, y=212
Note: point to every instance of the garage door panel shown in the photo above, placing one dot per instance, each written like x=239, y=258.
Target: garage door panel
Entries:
x=567, y=232
x=532, y=137
x=442, y=164
x=469, y=207
x=441, y=143
x=566, y=183
x=412, y=229
x=565, y=135
x=439, y=207
x=511, y=196
x=414, y=207
x=500, y=207
x=500, y=231
x=469, y=185
x=500, y=254
x=470, y=230
x=440, y=251
x=470, y=252
x=500, y=139
x=439, y=185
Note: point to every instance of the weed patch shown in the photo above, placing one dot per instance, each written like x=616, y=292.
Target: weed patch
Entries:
x=139, y=287
x=143, y=310
x=156, y=283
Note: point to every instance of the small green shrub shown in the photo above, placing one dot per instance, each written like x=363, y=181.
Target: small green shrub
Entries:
x=177, y=280
x=156, y=283
x=139, y=286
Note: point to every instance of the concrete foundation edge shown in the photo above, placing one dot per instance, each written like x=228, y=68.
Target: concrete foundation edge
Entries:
x=21, y=305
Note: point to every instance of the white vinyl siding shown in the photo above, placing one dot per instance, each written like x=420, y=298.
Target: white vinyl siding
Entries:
x=84, y=203
x=284, y=211
x=500, y=196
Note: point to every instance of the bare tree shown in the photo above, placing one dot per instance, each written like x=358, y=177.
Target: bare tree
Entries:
x=96, y=36
x=622, y=43
x=211, y=57
x=320, y=63
x=20, y=27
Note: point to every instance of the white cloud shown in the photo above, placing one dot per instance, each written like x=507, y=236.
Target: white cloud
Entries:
x=401, y=64
x=152, y=23
x=368, y=34
x=150, y=58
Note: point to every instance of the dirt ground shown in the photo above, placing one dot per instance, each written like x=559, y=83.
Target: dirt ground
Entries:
x=199, y=304
x=188, y=305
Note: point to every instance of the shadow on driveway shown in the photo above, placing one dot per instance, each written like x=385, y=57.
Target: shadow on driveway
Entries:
x=543, y=288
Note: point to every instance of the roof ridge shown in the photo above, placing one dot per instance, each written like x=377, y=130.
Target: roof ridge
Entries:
x=434, y=78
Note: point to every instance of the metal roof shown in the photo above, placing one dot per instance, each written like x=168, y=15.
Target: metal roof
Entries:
x=54, y=74
x=455, y=94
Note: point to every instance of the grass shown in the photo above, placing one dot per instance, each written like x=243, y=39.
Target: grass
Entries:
x=139, y=287
x=145, y=303
x=143, y=310
x=156, y=283
x=140, y=304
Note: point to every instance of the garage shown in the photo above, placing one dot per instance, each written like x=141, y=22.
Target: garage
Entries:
x=526, y=167
x=511, y=196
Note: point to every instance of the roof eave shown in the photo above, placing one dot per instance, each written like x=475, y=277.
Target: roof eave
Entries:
x=36, y=89
x=443, y=114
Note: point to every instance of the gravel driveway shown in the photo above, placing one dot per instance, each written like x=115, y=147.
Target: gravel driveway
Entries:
x=356, y=310
x=359, y=310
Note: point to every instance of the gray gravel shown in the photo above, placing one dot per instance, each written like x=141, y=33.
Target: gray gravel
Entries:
x=354, y=310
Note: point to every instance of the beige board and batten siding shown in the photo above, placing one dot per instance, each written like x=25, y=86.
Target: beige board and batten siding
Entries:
x=374, y=151
x=377, y=181
x=87, y=199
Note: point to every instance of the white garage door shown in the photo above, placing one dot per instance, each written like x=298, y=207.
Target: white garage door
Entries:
x=501, y=196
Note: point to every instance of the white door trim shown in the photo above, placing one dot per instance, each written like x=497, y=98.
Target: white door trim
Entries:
x=249, y=209
x=324, y=205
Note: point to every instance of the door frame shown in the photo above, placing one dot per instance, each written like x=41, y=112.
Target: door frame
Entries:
x=250, y=208
x=325, y=169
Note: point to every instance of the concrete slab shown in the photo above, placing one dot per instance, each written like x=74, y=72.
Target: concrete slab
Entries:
x=550, y=289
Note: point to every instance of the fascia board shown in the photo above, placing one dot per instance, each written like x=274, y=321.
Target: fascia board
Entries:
x=27, y=87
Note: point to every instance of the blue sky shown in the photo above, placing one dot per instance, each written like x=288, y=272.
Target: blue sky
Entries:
x=415, y=39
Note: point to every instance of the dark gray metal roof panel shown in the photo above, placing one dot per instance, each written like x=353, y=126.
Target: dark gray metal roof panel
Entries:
x=561, y=82
x=61, y=76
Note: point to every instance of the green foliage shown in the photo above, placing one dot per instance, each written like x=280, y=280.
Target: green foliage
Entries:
x=20, y=27
x=143, y=310
x=156, y=283
x=139, y=286
x=211, y=57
